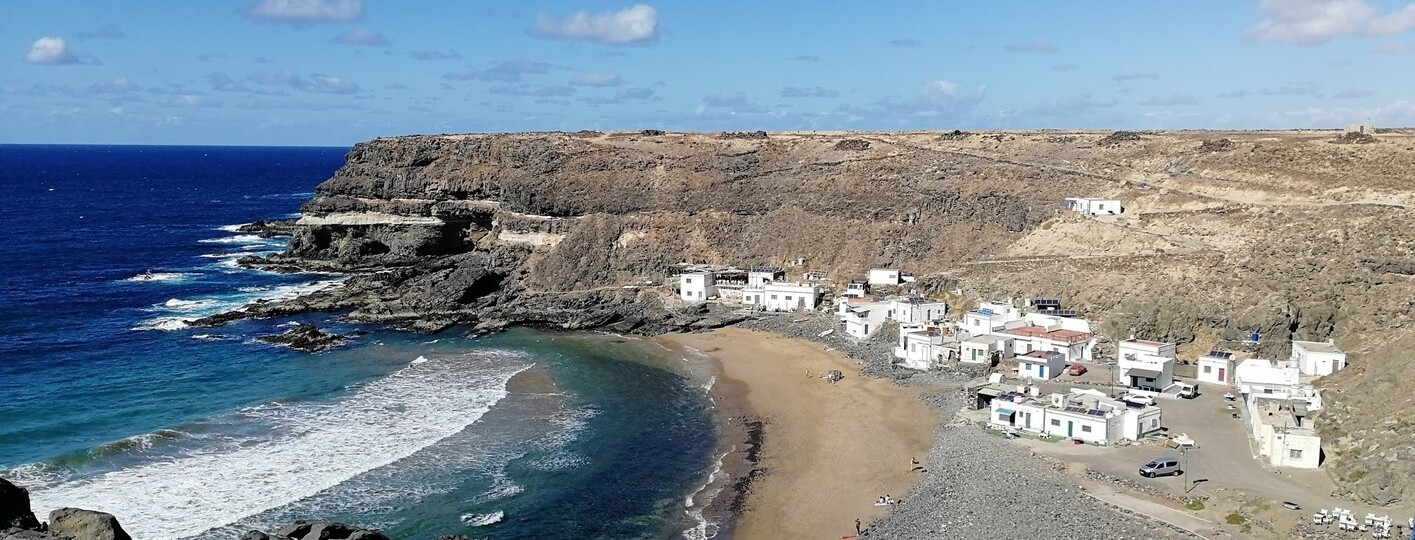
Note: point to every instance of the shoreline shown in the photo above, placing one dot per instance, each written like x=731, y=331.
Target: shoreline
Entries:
x=804, y=457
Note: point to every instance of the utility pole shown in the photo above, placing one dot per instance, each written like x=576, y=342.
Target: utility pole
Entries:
x=1184, y=453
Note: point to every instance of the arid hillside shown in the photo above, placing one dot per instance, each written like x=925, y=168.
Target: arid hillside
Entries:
x=1296, y=235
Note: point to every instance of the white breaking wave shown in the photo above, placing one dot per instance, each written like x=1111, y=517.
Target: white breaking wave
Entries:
x=160, y=276
x=232, y=228
x=481, y=520
x=237, y=239
x=313, y=447
x=202, y=307
x=703, y=529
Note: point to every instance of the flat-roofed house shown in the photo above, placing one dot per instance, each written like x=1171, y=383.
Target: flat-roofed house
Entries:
x=1318, y=358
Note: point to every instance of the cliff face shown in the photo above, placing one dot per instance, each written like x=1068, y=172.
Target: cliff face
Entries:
x=1288, y=234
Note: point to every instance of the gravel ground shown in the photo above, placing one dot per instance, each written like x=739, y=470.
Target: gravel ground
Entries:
x=977, y=485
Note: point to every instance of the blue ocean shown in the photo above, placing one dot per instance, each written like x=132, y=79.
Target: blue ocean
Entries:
x=108, y=401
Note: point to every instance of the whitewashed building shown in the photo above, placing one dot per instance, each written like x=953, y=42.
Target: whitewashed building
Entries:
x=1216, y=368
x=758, y=277
x=783, y=297
x=1086, y=415
x=1284, y=432
x=916, y=310
x=1094, y=206
x=1018, y=411
x=885, y=276
x=1146, y=364
x=990, y=316
x=1318, y=358
x=863, y=319
x=1040, y=365
x=1055, y=334
x=985, y=349
x=697, y=286
x=921, y=346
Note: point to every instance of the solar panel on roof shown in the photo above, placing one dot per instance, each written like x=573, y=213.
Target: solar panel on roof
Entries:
x=1080, y=410
x=1096, y=412
x=985, y=311
x=1064, y=312
x=1046, y=302
x=1221, y=354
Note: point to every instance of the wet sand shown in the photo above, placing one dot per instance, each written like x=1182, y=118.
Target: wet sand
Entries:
x=827, y=451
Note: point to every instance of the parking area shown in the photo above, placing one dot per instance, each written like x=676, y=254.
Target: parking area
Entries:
x=1223, y=460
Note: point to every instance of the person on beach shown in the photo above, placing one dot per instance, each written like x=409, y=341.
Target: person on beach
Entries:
x=857, y=525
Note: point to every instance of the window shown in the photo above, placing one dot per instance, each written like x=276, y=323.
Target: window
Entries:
x=1085, y=429
x=788, y=298
x=1054, y=422
x=1267, y=390
x=1002, y=417
x=773, y=297
x=689, y=280
x=1208, y=369
x=1294, y=454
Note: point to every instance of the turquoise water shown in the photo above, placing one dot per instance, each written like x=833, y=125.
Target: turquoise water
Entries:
x=111, y=403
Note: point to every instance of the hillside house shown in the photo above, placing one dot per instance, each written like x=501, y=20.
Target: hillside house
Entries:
x=1093, y=206
x=1086, y=415
x=885, y=276
x=863, y=317
x=990, y=316
x=1317, y=358
x=985, y=349
x=924, y=347
x=856, y=289
x=1069, y=337
x=916, y=310
x=1216, y=368
x=783, y=297
x=758, y=277
x=1284, y=432
x=1145, y=364
x=1040, y=365
x=1014, y=410
x=697, y=286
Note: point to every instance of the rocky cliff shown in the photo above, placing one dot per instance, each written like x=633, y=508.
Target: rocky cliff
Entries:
x=1293, y=235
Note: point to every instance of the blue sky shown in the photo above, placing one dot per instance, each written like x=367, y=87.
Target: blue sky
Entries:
x=334, y=72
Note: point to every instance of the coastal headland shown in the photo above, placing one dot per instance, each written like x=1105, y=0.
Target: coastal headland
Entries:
x=1292, y=235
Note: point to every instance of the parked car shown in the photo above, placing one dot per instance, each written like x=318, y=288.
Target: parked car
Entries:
x=1163, y=466
x=1076, y=369
x=1188, y=391
x=1137, y=399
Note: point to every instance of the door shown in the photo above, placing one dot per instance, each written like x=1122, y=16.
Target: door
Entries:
x=1221, y=377
x=1027, y=417
x=1070, y=428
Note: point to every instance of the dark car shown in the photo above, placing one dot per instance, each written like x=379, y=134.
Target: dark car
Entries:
x=1077, y=369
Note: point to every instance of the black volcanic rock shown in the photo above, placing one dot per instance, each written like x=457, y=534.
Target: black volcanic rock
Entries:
x=305, y=337
x=318, y=530
x=14, y=507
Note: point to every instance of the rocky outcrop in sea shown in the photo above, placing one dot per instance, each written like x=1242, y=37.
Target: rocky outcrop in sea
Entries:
x=17, y=520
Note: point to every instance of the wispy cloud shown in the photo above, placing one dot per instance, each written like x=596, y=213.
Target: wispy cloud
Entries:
x=108, y=31
x=305, y=11
x=505, y=71
x=1076, y=105
x=435, y=55
x=935, y=101
x=316, y=82
x=1353, y=93
x=637, y=24
x=596, y=79
x=1037, y=47
x=533, y=90
x=1394, y=48
x=1313, y=22
x=808, y=92
x=1066, y=67
x=192, y=101
x=804, y=58
x=364, y=37
x=1126, y=77
x=1172, y=100
x=905, y=42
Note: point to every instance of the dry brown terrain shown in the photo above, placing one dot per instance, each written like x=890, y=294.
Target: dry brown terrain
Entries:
x=1290, y=234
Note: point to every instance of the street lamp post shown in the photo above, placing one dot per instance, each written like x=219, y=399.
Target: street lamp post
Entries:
x=1184, y=454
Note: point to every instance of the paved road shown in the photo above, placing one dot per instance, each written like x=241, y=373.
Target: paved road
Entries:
x=1153, y=510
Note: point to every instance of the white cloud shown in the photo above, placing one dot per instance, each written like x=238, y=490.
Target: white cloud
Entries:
x=192, y=101
x=316, y=82
x=596, y=79
x=505, y=71
x=808, y=92
x=637, y=24
x=50, y=51
x=361, y=37
x=306, y=11
x=1402, y=20
x=1310, y=22
x=940, y=100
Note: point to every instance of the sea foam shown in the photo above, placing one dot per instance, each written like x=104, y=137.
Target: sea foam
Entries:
x=311, y=447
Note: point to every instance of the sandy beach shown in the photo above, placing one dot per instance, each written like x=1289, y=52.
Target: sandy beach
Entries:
x=828, y=450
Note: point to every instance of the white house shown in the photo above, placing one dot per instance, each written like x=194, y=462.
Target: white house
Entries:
x=985, y=349
x=1040, y=365
x=1087, y=415
x=915, y=309
x=1274, y=379
x=1216, y=367
x=697, y=286
x=1060, y=336
x=758, y=277
x=857, y=289
x=1318, y=358
x=921, y=346
x=885, y=276
x=1093, y=206
x=1017, y=411
x=783, y=297
x=1284, y=433
x=864, y=321
x=990, y=316
x=1146, y=364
